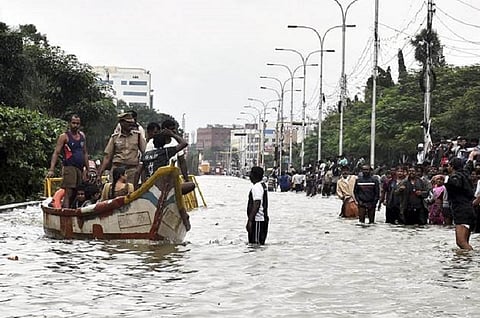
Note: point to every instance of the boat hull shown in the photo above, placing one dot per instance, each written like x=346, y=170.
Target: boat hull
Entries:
x=154, y=212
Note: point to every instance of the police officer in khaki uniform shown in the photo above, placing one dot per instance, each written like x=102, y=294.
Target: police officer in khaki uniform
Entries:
x=124, y=148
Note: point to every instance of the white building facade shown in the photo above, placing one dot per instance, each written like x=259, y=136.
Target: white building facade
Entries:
x=132, y=85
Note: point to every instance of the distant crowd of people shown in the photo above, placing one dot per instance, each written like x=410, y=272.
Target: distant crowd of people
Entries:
x=442, y=187
x=320, y=178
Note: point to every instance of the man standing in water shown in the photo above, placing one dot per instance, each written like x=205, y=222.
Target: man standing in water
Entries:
x=75, y=158
x=345, y=186
x=366, y=193
x=461, y=197
x=257, y=208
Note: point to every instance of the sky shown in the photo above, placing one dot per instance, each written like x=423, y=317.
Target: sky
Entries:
x=206, y=56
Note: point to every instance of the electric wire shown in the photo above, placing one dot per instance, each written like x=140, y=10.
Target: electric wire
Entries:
x=454, y=33
x=468, y=5
x=458, y=20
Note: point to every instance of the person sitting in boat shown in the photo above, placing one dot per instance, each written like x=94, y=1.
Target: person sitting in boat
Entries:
x=92, y=193
x=119, y=185
x=160, y=156
x=80, y=198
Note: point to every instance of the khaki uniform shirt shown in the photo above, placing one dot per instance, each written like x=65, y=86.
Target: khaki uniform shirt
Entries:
x=125, y=148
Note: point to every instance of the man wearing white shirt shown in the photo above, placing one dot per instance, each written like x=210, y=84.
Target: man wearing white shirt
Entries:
x=257, y=208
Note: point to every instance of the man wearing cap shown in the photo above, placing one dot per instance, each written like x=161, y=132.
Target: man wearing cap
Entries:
x=123, y=147
x=118, y=128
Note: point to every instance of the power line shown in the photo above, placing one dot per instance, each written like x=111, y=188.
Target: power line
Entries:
x=461, y=51
x=362, y=57
x=453, y=32
x=468, y=5
x=458, y=20
x=404, y=44
x=452, y=39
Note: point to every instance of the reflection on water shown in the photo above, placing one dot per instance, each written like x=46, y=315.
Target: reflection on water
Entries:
x=314, y=265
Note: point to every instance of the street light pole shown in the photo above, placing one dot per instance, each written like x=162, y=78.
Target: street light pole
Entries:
x=278, y=162
x=254, y=120
x=260, y=129
x=292, y=73
x=321, y=39
x=291, y=108
x=343, y=86
x=264, y=126
x=246, y=151
x=304, y=103
x=277, y=134
x=281, y=132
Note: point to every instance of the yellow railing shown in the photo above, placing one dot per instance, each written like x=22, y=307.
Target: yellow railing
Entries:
x=191, y=201
x=51, y=185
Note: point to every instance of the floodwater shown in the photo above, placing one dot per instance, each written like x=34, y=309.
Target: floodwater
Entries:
x=313, y=265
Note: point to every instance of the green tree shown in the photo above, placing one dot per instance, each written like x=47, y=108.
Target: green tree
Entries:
x=26, y=146
x=11, y=67
x=420, y=42
x=402, y=69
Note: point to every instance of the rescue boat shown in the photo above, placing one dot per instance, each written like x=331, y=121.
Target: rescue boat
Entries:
x=157, y=211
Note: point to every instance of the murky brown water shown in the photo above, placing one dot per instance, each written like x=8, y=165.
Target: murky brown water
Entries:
x=314, y=265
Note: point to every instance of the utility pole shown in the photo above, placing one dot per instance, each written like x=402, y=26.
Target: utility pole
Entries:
x=183, y=124
x=374, y=89
x=428, y=80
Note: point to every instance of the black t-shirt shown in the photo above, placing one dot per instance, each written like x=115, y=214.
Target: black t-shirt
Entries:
x=156, y=158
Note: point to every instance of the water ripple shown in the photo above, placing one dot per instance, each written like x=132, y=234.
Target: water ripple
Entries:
x=314, y=264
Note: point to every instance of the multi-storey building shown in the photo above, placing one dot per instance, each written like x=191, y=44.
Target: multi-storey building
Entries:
x=132, y=85
x=213, y=137
x=213, y=142
x=244, y=146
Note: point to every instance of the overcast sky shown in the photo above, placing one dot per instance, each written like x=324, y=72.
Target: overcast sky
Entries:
x=206, y=56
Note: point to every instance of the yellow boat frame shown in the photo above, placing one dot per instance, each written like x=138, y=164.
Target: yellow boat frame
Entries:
x=191, y=201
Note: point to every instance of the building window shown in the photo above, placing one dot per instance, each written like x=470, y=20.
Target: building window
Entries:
x=126, y=93
x=142, y=83
x=124, y=83
x=137, y=104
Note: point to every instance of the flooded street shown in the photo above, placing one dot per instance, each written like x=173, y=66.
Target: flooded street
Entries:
x=314, y=265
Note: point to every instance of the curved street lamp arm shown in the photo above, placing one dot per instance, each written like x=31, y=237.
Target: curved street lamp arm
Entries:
x=344, y=13
x=276, y=79
x=271, y=89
